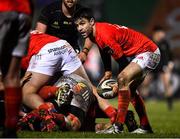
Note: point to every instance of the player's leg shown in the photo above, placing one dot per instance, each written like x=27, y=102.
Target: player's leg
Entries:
x=15, y=42
x=144, y=88
x=30, y=90
x=128, y=75
x=134, y=71
x=139, y=106
x=13, y=96
x=166, y=80
x=125, y=78
x=151, y=62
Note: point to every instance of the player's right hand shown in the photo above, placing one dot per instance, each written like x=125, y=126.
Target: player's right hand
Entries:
x=82, y=56
x=107, y=75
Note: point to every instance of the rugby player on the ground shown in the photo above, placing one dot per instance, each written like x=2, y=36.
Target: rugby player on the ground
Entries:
x=48, y=58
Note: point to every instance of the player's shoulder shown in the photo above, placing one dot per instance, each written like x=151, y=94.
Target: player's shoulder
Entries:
x=104, y=25
x=53, y=6
x=103, y=28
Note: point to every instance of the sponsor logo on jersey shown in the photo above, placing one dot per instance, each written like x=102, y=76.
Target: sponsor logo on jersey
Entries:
x=55, y=24
x=67, y=23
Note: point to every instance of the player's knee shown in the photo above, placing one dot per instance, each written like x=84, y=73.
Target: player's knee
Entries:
x=123, y=80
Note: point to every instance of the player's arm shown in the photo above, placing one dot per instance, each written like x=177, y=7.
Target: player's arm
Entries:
x=106, y=60
x=31, y=87
x=43, y=20
x=41, y=27
x=87, y=46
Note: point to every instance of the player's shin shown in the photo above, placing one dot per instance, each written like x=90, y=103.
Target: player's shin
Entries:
x=139, y=106
x=13, y=98
x=111, y=113
x=123, y=103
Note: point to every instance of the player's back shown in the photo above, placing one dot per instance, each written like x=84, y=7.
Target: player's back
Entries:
x=37, y=41
x=131, y=41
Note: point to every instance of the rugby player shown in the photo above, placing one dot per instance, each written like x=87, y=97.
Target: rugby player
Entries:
x=48, y=59
x=121, y=42
x=15, y=25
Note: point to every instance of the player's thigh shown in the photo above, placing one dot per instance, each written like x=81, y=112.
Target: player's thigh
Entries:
x=132, y=72
x=36, y=81
x=12, y=77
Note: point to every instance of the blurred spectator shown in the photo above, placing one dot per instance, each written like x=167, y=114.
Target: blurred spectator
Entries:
x=163, y=72
x=56, y=19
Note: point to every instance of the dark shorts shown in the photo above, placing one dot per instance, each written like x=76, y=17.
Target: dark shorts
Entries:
x=14, y=30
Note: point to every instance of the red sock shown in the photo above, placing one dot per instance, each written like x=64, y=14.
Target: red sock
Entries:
x=48, y=91
x=111, y=113
x=123, y=103
x=139, y=106
x=13, y=98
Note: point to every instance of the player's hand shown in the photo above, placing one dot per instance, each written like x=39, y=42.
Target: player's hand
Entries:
x=107, y=75
x=115, y=88
x=73, y=123
x=26, y=78
x=82, y=56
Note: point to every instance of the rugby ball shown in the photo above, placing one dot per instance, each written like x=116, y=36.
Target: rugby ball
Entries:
x=104, y=89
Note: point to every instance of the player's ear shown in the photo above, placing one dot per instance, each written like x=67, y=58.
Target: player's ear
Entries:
x=92, y=21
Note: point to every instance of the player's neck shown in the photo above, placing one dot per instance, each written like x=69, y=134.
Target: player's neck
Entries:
x=68, y=12
x=92, y=36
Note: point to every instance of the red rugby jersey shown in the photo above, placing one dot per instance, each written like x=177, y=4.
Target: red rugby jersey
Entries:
x=37, y=41
x=122, y=40
x=15, y=5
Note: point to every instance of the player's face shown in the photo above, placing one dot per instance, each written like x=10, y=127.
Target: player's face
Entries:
x=70, y=3
x=85, y=27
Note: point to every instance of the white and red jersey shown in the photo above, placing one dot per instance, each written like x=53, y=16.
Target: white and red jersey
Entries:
x=37, y=41
x=122, y=40
x=15, y=5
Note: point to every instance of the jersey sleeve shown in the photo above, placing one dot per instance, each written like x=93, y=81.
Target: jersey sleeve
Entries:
x=44, y=15
x=106, y=59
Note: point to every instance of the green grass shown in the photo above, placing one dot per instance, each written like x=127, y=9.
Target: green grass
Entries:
x=165, y=124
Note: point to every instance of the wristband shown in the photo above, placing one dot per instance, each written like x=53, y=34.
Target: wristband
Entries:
x=85, y=48
x=86, y=53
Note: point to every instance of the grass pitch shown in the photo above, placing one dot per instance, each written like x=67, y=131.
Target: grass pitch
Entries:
x=165, y=124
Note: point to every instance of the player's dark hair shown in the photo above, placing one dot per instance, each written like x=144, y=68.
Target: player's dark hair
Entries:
x=83, y=13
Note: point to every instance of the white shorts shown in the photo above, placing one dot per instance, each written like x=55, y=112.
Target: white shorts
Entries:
x=148, y=60
x=55, y=57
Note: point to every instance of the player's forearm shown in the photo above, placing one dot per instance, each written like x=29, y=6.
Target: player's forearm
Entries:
x=41, y=27
x=87, y=46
